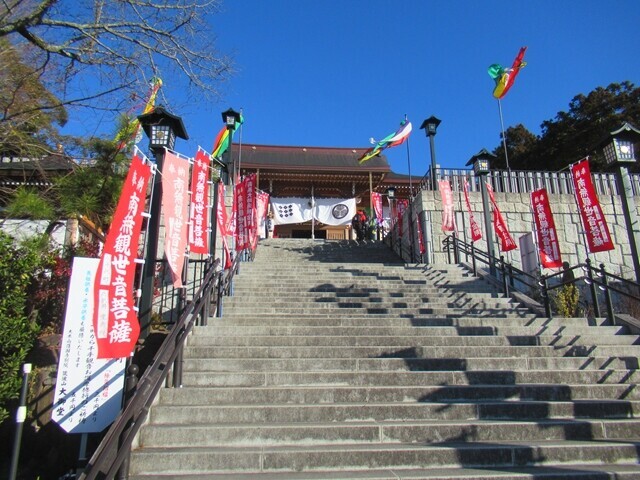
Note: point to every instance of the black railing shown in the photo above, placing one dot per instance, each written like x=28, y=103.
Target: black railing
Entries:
x=111, y=457
x=525, y=181
x=600, y=284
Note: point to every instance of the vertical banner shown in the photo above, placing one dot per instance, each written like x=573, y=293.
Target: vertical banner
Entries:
x=239, y=204
x=88, y=392
x=420, y=236
x=448, y=218
x=175, y=178
x=593, y=221
x=115, y=322
x=199, y=218
x=262, y=204
x=223, y=222
x=506, y=240
x=476, y=233
x=376, y=198
x=245, y=199
x=547, y=236
x=401, y=207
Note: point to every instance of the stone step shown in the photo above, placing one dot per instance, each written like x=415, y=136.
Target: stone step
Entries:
x=589, y=412
x=411, y=341
x=407, y=378
x=618, y=471
x=262, y=325
x=452, y=364
x=280, y=433
x=630, y=353
x=325, y=394
x=301, y=458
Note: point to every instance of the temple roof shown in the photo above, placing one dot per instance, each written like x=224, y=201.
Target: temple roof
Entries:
x=307, y=158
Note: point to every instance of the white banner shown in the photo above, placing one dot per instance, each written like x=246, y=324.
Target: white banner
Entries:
x=88, y=392
x=291, y=210
x=334, y=211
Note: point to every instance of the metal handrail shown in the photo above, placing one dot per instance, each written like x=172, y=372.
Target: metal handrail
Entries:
x=115, y=447
x=511, y=278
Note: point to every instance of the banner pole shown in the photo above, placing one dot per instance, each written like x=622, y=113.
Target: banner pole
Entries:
x=504, y=139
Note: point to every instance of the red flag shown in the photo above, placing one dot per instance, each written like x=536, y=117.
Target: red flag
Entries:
x=401, y=207
x=448, y=219
x=115, y=322
x=548, y=244
x=245, y=200
x=593, y=221
x=199, y=218
x=222, y=221
x=376, y=199
x=420, y=236
x=506, y=240
x=262, y=202
x=175, y=178
x=476, y=233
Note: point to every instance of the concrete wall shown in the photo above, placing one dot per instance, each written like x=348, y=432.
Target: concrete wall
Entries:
x=516, y=209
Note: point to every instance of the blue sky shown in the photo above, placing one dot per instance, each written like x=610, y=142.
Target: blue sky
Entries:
x=336, y=73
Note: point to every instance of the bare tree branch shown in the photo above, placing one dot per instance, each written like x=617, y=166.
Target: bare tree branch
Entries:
x=90, y=52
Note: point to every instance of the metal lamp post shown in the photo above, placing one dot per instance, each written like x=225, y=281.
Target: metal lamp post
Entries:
x=162, y=128
x=619, y=153
x=391, y=195
x=430, y=126
x=480, y=162
x=231, y=119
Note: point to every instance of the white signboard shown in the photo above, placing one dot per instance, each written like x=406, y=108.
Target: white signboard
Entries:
x=88, y=394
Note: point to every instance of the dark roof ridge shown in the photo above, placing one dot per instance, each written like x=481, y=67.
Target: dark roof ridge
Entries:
x=301, y=147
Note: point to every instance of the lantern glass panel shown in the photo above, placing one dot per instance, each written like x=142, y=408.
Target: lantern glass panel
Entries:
x=610, y=154
x=624, y=150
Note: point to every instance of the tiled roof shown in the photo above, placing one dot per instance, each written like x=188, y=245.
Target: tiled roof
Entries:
x=307, y=158
x=50, y=162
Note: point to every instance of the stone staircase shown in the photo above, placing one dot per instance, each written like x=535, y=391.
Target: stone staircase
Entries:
x=335, y=361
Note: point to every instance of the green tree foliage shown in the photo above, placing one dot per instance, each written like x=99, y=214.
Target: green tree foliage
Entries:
x=29, y=113
x=576, y=133
x=19, y=265
x=92, y=190
x=520, y=142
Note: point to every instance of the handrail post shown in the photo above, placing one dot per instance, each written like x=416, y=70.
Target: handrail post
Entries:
x=456, y=252
x=177, y=363
x=448, y=247
x=503, y=271
x=130, y=388
x=594, y=290
x=607, y=295
x=219, y=295
x=473, y=259
x=544, y=291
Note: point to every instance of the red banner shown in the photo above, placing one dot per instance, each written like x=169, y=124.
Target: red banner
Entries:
x=593, y=221
x=115, y=322
x=506, y=240
x=262, y=203
x=448, y=218
x=199, y=218
x=476, y=233
x=245, y=201
x=420, y=236
x=222, y=221
x=547, y=236
x=175, y=178
x=376, y=198
x=401, y=207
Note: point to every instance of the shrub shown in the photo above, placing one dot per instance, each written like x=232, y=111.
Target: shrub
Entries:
x=17, y=330
x=566, y=301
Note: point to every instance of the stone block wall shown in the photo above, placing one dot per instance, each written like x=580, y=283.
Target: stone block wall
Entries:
x=516, y=210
